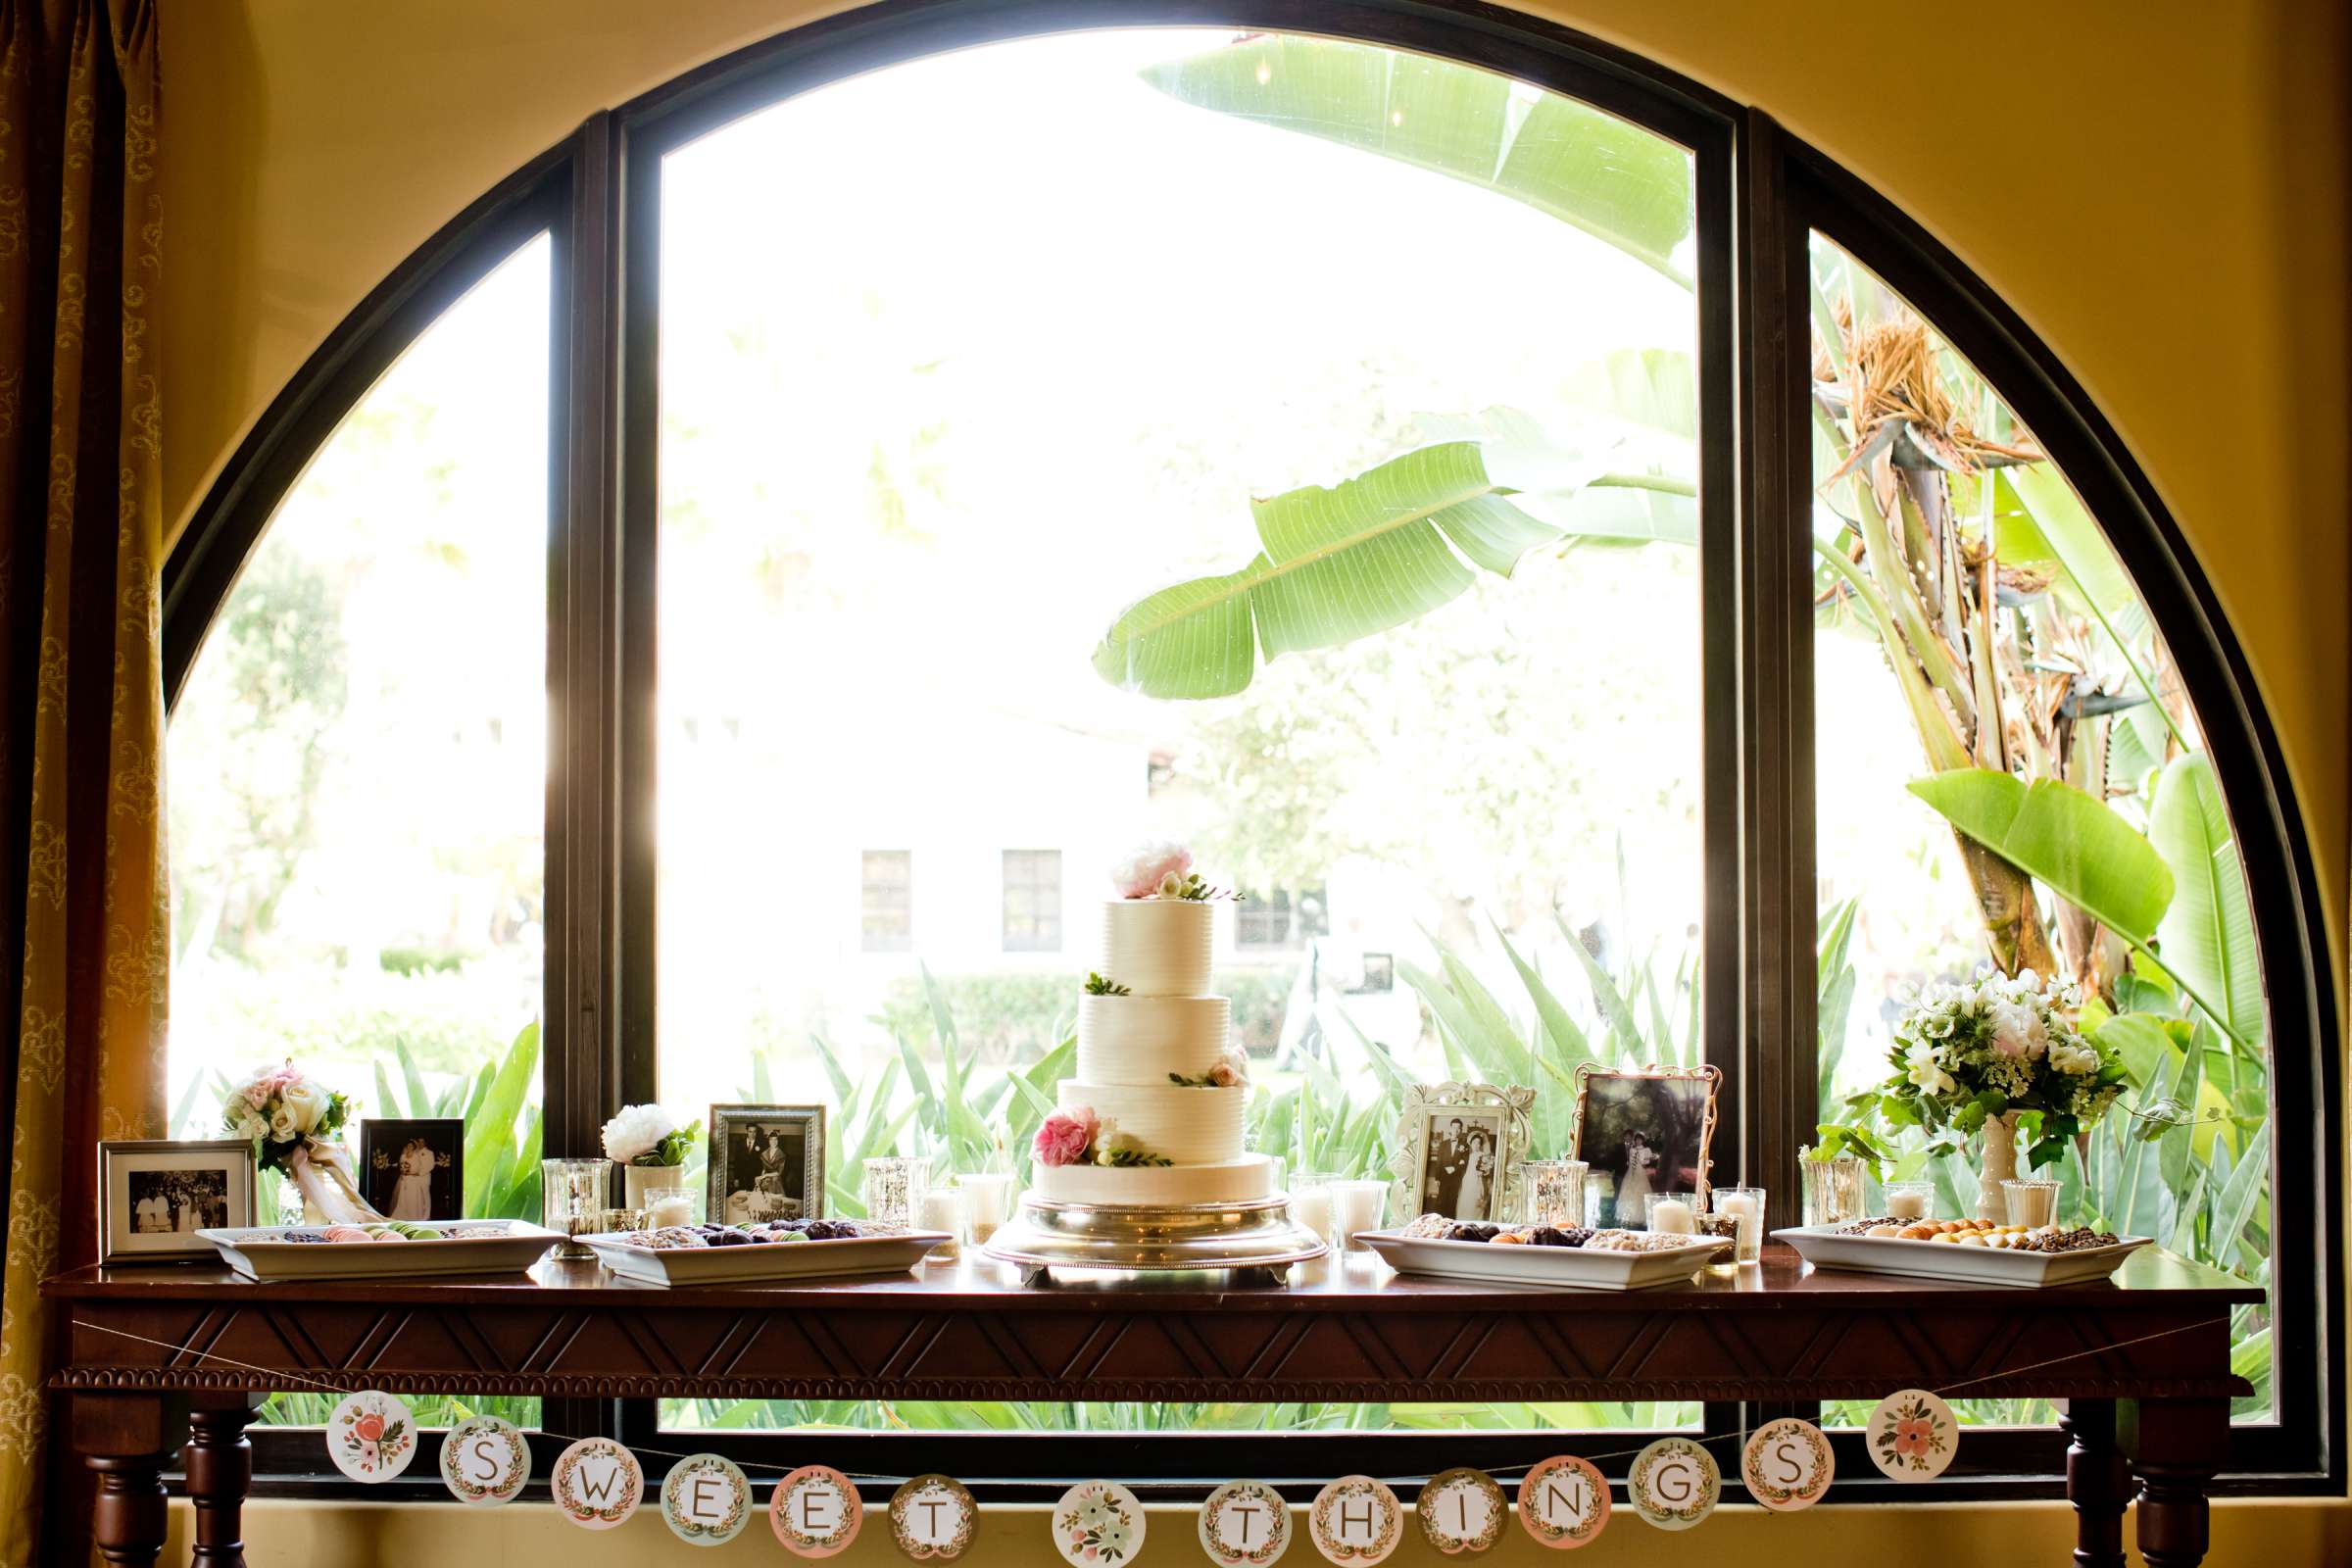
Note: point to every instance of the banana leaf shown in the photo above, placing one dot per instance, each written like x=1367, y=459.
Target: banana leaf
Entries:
x=2207, y=935
x=1369, y=554
x=490, y=1126
x=2077, y=846
x=1615, y=181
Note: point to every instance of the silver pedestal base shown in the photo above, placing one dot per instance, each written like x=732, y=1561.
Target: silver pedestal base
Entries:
x=1256, y=1239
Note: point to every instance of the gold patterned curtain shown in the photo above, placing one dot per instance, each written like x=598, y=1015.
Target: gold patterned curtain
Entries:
x=84, y=923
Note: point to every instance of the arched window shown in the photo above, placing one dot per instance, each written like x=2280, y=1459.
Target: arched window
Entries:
x=970, y=452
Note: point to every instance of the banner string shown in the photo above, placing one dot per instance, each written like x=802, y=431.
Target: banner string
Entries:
x=1517, y=1472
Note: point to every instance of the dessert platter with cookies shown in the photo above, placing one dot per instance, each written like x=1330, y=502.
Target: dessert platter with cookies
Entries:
x=381, y=1248
x=1975, y=1250
x=749, y=1254
x=1572, y=1257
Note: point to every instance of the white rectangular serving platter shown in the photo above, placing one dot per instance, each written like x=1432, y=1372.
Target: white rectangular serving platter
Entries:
x=763, y=1262
x=1822, y=1247
x=483, y=1246
x=1568, y=1267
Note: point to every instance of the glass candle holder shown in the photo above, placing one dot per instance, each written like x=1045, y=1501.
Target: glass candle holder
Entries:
x=1555, y=1192
x=1909, y=1199
x=1356, y=1205
x=987, y=1205
x=573, y=1198
x=1745, y=1204
x=942, y=1209
x=893, y=1185
x=1310, y=1201
x=671, y=1205
x=2031, y=1203
x=1675, y=1213
x=1832, y=1188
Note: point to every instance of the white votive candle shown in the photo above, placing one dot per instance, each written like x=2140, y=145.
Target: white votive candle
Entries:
x=1906, y=1206
x=987, y=1204
x=1355, y=1207
x=1673, y=1218
x=675, y=1209
x=1310, y=1209
x=941, y=1209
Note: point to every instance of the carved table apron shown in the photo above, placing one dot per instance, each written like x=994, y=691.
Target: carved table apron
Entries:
x=161, y=1356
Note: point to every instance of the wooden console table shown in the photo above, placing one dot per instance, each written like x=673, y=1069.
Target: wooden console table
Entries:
x=162, y=1357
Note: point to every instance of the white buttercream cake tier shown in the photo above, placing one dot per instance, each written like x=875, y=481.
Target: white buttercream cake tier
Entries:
x=1189, y=1126
x=1159, y=947
x=1141, y=1040
x=1224, y=1181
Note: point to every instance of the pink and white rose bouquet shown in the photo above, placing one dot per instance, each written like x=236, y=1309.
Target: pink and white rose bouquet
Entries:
x=1162, y=869
x=280, y=1110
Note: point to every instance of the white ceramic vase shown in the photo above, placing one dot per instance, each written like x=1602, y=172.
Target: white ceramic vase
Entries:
x=635, y=1179
x=1999, y=1164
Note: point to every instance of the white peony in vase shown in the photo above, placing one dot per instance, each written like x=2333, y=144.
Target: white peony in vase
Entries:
x=1998, y=1166
x=650, y=1147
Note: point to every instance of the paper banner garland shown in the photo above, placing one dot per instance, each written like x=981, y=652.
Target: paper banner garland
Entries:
x=1912, y=1435
x=706, y=1499
x=1564, y=1502
x=1462, y=1511
x=1355, y=1521
x=372, y=1437
x=1787, y=1464
x=1245, y=1524
x=1674, y=1482
x=933, y=1516
x=815, y=1511
x=596, y=1484
x=1098, y=1522
x=485, y=1461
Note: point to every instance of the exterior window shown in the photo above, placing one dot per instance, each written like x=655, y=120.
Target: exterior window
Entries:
x=887, y=899
x=1276, y=921
x=1032, y=901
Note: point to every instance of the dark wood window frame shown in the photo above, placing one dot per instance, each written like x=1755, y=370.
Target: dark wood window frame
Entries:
x=1760, y=193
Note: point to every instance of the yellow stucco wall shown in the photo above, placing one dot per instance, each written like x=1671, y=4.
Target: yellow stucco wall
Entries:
x=2159, y=187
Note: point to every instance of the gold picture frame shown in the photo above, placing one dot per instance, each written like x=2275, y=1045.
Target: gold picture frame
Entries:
x=1662, y=1114
x=1443, y=1170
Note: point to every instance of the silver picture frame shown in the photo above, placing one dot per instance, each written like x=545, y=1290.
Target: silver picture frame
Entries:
x=738, y=1172
x=200, y=1184
x=1428, y=1181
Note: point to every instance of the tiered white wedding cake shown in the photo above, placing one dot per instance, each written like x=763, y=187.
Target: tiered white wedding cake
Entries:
x=1153, y=1118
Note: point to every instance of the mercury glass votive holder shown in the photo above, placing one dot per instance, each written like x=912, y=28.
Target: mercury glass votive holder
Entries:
x=2031, y=1203
x=574, y=1197
x=1555, y=1192
x=894, y=1184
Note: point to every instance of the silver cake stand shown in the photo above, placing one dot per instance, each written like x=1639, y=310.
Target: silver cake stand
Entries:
x=1255, y=1241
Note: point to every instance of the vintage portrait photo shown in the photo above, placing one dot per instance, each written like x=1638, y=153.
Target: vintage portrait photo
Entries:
x=156, y=1193
x=1642, y=1132
x=414, y=1167
x=1459, y=1150
x=766, y=1162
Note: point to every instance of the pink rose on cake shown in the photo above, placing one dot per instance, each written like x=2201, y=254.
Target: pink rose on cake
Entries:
x=1154, y=871
x=1231, y=1069
x=1065, y=1136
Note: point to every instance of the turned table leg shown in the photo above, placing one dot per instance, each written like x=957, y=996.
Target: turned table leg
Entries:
x=2099, y=1483
x=2177, y=1446
x=220, y=1466
x=126, y=1439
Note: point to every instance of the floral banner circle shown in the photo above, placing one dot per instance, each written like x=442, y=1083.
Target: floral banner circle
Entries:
x=1674, y=1482
x=1098, y=1522
x=485, y=1461
x=1564, y=1502
x=372, y=1437
x=1787, y=1464
x=1912, y=1435
x=815, y=1511
x=1462, y=1510
x=1245, y=1524
x=1355, y=1521
x=596, y=1484
x=706, y=1499
x=933, y=1516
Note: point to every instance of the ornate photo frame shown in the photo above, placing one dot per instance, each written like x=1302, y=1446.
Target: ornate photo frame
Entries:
x=743, y=1181
x=1659, y=1118
x=1445, y=1168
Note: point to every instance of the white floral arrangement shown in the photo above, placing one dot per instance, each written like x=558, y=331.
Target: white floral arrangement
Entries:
x=1965, y=1054
x=280, y=1110
x=648, y=1135
x=1164, y=869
